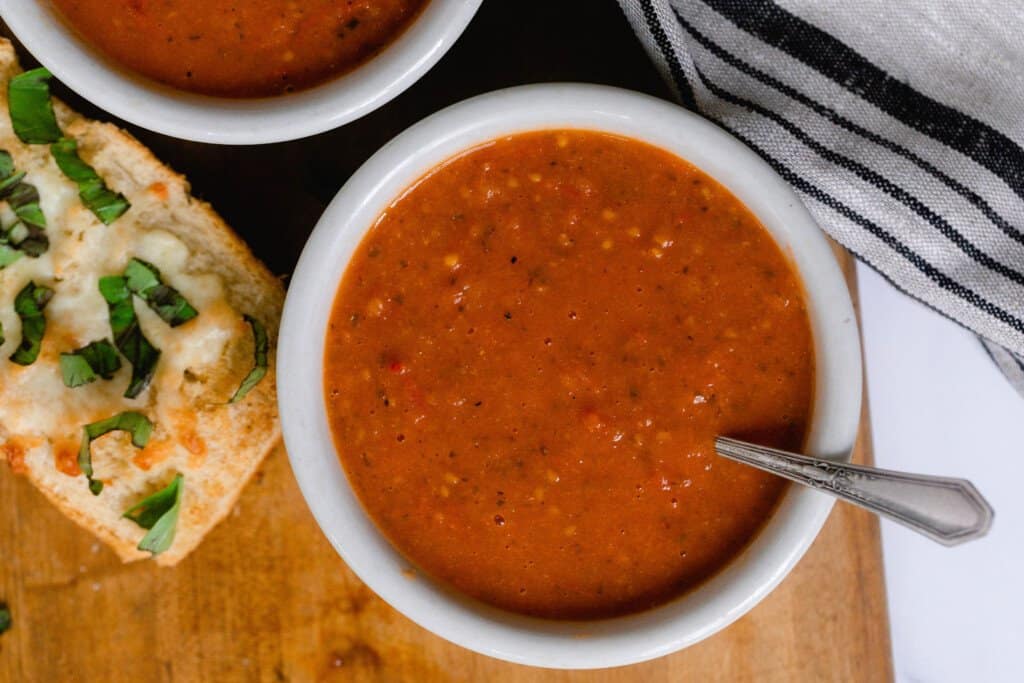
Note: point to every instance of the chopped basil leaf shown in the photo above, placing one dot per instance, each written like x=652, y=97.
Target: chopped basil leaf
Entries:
x=159, y=514
x=75, y=370
x=5, y=617
x=135, y=423
x=10, y=180
x=28, y=96
x=106, y=204
x=102, y=358
x=144, y=280
x=29, y=305
x=6, y=164
x=28, y=233
x=152, y=508
x=83, y=365
x=259, y=370
x=128, y=337
x=8, y=255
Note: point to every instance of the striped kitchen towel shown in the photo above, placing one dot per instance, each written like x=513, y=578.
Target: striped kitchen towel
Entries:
x=900, y=125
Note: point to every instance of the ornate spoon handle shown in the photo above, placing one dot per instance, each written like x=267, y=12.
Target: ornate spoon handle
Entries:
x=947, y=510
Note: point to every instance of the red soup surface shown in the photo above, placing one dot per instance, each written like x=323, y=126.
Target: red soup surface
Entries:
x=530, y=355
x=240, y=48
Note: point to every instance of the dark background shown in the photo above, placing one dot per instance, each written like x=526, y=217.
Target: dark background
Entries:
x=272, y=195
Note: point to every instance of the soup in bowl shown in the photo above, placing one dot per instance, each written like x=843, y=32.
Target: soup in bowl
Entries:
x=508, y=348
x=240, y=48
x=238, y=71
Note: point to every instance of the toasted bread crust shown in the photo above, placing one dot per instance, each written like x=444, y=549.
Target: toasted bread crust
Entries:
x=236, y=437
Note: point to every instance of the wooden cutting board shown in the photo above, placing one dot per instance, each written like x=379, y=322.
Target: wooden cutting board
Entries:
x=265, y=598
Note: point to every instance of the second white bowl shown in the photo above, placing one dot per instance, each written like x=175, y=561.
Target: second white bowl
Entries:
x=221, y=120
x=611, y=642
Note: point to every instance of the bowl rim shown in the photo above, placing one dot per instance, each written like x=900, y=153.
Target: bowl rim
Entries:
x=237, y=121
x=526, y=640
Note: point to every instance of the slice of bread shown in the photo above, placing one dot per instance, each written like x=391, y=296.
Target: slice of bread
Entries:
x=214, y=444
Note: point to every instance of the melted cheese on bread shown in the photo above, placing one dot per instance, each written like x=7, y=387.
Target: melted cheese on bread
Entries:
x=215, y=445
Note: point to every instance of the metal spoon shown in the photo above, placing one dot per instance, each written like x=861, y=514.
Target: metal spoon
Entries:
x=947, y=510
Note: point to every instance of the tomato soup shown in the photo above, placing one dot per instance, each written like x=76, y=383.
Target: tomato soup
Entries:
x=530, y=355
x=240, y=48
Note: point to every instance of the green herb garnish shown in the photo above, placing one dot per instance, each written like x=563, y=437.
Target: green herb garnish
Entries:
x=10, y=178
x=259, y=369
x=28, y=96
x=128, y=337
x=137, y=424
x=75, y=370
x=6, y=165
x=84, y=365
x=5, y=617
x=106, y=204
x=28, y=233
x=29, y=305
x=8, y=255
x=144, y=280
x=159, y=514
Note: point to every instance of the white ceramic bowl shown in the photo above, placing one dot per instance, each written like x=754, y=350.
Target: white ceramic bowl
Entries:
x=593, y=644
x=220, y=120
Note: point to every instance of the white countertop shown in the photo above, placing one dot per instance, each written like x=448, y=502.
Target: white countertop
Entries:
x=940, y=406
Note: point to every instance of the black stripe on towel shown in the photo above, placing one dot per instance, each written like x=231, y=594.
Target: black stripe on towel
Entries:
x=836, y=118
x=834, y=59
x=915, y=259
x=876, y=179
x=665, y=45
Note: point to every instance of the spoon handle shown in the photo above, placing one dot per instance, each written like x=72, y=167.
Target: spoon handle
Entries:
x=947, y=510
